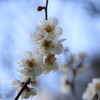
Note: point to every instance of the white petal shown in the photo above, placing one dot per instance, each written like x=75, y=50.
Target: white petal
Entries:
x=33, y=92
x=64, y=87
x=53, y=21
x=63, y=78
x=42, y=23
x=61, y=40
x=23, y=94
x=22, y=71
x=22, y=62
x=59, y=48
x=38, y=70
x=46, y=70
x=28, y=55
x=16, y=83
x=38, y=59
x=58, y=32
x=38, y=35
x=95, y=80
x=34, y=36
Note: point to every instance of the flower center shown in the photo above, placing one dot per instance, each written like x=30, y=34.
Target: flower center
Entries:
x=50, y=60
x=30, y=63
x=47, y=44
x=98, y=85
x=48, y=28
x=66, y=82
x=28, y=89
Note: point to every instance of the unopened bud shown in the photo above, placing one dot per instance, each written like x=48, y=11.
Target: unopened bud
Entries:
x=39, y=8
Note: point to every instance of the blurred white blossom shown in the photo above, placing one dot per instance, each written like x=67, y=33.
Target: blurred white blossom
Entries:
x=64, y=84
x=89, y=93
x=92, y=89
x=96, y=83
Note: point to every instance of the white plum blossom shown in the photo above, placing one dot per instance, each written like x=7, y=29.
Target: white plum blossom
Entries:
x=96, y=83
x=31, y=62
x=49, y=63
x=64, y=84
x=92, y=89
x=27, y=92
x=50, y=26
x=89, y=93
x=48, y=46
x=32, y=66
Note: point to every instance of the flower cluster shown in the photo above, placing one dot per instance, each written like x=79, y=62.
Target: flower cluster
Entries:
x=92, y=89
x=44, y=59
x=47, y=42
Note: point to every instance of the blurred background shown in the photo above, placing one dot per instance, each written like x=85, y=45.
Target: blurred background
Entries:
x=80, y=21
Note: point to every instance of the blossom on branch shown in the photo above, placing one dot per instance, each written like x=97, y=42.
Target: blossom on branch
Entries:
x=49, y=63
x=50, y=26
x=26, y=74
x=48, y=46
x=31, y=62
x=32, y=66
x=27, y=92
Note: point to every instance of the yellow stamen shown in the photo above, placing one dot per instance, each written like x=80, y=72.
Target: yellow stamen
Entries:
x=48, y=28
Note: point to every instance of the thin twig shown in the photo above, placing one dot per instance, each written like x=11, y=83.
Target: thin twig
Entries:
x=99, y=97
x=22, y=89
x=46, y=12
x=73, y=89
x=96, y=97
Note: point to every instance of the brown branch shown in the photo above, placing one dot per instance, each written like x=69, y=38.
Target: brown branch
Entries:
x=46, y=12
x=96, y=97
x=73, y=88
x=22, y=89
